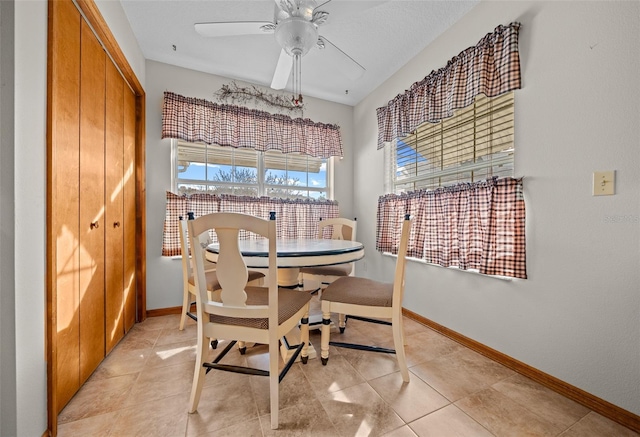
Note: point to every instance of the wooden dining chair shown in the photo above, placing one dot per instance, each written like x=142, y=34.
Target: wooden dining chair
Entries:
x=340, y=229
x=370, y=301
x=252, y=314
x=188, y=281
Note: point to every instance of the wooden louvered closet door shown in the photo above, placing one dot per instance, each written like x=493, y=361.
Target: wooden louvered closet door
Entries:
x=64, y=176
x=114, y=225
x=129, y=208
x=92, y=207
x=92, y=203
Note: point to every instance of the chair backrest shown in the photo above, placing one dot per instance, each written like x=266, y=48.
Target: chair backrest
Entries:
x=342, y=228
x=184, y=248
x=231, y=268
x=187, y=266
x=398, y=281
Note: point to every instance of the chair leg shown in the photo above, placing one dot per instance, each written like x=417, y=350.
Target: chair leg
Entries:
x=186, y=303
x=274, y=381
x=342, y=322
x=398, y=343
x=325, y=335
x=304, y=337
x=198, y=374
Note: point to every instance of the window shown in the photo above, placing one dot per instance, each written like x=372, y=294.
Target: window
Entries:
x=214, y=169
x=476, y=143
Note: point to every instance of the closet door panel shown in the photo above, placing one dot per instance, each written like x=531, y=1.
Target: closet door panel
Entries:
x=92, y=220
x=129, y=190
x=114, y=256
x=64, y=168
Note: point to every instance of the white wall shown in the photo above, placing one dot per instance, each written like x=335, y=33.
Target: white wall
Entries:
x=30, y=214
x=577, y=316
x=8, y=412
x=164, y=275
x=30, y=203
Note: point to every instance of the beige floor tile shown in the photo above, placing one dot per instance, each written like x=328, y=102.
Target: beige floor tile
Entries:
x=504, y=417
x=595, y=425
x=161, y=382
x=161, y=322
x=371, y=333
x=294, y=389
x=98, y=396
x=306, y=418
x=410, y=400
x=359, y=410
x=412, y=327
x=174, y=335
x=370, y=364
x=162, y=417
x=122, y=361
x=461, y=373
x=544, y=402
x=403, y=431
x=230, y=401
x=337, y=375
x=95, y=426
x=448, y=421
x=244, y=428
x=139, y=338
x=428, y=345
x=172, y=354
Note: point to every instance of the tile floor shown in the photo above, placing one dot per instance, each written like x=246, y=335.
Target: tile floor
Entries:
x=142, y=388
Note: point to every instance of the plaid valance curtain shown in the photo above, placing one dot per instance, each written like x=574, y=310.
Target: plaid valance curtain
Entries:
x=492, y=67
x=197, y=120
x=478, y=226
x=295, y=218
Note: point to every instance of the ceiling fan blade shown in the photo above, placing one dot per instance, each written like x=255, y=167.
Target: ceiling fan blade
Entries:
x=283, y=70
x=322, y=4
x=341, y=61
x=232, y=28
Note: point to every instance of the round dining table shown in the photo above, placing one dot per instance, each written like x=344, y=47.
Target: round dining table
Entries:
x=293, y=254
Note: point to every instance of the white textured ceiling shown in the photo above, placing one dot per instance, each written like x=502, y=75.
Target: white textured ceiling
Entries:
x=381, y=36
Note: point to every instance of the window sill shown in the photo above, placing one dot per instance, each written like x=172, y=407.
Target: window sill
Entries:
x=470, y=271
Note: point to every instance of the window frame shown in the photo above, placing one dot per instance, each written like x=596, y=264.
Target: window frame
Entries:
x=262, y=187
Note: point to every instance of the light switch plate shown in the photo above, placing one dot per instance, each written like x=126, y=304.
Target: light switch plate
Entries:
x=604, y=183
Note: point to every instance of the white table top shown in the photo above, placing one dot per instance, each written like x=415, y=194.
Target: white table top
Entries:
x=297, y=253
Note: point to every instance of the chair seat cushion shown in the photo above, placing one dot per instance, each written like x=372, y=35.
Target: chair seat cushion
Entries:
x=359, y=291
x=336, y=270
x=289, y=303
x=212, y=279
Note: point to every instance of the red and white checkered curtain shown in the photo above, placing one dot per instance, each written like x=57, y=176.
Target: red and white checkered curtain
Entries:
x=295, y=218
x=491, y=68
x=198, y=120
x=477, y=226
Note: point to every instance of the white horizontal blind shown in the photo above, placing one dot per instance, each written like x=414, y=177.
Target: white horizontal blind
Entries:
x=476, y=143
x=200, y=167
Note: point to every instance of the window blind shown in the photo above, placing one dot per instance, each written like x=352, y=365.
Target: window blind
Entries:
x=243, y=171
x=476, y=143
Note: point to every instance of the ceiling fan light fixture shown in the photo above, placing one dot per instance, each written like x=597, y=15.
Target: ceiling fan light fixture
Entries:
x=296, y=35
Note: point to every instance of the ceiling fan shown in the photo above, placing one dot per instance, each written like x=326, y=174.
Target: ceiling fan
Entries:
x=295, y=26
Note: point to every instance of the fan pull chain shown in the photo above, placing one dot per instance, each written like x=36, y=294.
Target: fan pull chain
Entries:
x=297, y=80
